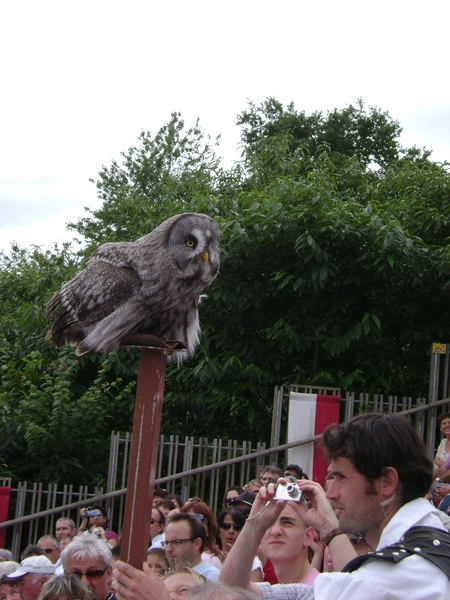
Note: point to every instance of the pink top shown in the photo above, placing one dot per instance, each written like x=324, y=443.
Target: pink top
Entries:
x=212, y=558
x=309, y=579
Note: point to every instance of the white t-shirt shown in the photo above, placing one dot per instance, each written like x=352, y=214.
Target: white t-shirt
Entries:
x=156, y=541
x=207, y=570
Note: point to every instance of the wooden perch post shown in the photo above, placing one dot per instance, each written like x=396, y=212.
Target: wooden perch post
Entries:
x=144, y=445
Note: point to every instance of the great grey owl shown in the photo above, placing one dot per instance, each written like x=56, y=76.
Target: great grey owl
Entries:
x=151, y=285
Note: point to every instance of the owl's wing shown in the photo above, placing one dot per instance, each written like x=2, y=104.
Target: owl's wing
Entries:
x=108, y=333
x=118, y=254
x=87, y=299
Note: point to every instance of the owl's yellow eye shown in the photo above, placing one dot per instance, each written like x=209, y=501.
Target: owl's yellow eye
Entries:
x=190, y=243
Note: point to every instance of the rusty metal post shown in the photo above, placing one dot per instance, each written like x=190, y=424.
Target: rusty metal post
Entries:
x=143, y=455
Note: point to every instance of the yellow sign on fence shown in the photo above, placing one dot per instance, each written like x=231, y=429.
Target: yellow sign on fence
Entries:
x=439, y=348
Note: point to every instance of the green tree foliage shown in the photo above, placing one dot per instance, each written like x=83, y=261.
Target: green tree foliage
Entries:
x=334, y=271
x=166, y=174
x=274, y=137
x=57, y=410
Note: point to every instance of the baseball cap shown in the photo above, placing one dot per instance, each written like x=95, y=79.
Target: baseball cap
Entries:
x=298, y=469
x=34, y=564
x=245, y=498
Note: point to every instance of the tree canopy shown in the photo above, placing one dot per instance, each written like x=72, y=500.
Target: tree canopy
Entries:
x=334, y=270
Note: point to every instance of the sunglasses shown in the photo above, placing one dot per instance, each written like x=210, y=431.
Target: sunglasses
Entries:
x=94, y=574
x=153, y=521
x=201, y=518
x=228, y=526
x=49, y=550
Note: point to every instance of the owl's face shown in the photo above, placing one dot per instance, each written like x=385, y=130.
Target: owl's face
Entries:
x=193, y=242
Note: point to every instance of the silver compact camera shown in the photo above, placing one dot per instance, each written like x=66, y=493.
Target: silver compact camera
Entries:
x=95, y=531
x=288, y=491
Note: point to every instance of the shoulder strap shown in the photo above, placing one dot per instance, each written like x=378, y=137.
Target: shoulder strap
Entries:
x=429, y=542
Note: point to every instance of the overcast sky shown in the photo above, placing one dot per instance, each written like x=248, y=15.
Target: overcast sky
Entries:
x=80, y=80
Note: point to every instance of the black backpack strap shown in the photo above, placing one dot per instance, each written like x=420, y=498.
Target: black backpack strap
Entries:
x=429, y=542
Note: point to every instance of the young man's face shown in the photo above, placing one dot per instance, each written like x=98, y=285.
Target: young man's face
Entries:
x=288, y=538
x=357, y=502
x=268, y=476
x=64, y=542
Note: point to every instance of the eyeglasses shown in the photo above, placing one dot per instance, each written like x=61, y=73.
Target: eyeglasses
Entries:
x=94, y=574
x=176, y=543
x=228, y=526
x=200, y=517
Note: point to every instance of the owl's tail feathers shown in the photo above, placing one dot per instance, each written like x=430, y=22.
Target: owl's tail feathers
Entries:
x=65, y=327
x=79, y=351
x=72, y=336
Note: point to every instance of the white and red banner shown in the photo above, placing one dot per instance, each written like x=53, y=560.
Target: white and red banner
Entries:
x=309, y=414
x=5, y=495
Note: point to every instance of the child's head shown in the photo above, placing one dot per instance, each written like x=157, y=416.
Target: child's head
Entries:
x=115, y=551
x=157, y=561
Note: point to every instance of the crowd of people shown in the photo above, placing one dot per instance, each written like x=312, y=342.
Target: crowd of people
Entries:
x=377, y=529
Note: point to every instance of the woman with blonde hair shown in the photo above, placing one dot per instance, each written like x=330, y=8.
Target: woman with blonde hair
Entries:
x=253, y=486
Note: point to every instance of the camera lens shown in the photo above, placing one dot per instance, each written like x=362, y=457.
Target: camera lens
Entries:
x=291, y=490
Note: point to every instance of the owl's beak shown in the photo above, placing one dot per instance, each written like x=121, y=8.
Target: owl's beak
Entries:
x=203, y=257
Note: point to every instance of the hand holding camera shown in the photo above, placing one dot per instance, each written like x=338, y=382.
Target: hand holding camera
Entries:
x=87, y=513
x=99, y=532
x=288, y=491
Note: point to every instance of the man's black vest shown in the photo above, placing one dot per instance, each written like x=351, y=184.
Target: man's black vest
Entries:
x=429, y=542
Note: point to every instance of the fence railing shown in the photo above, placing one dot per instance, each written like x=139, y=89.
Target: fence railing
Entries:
x=185, y=466
x=194, y=458
x=423, y=414
x=177, y=455
x=31, y=498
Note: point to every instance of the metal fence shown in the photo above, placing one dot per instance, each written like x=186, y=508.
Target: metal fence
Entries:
x=31, y=498
x=178, y=455
x=175, y=457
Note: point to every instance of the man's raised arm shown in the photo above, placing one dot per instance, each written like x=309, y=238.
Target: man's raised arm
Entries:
x=237, y=568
